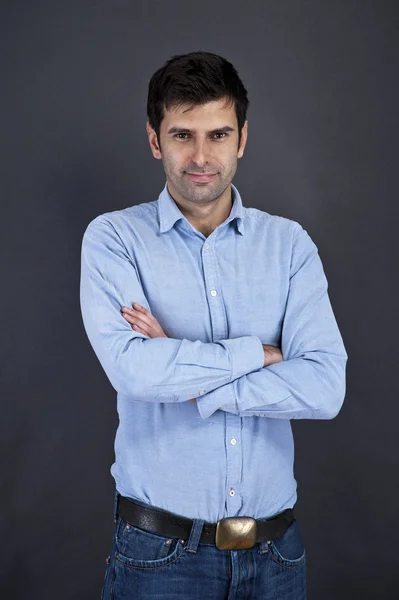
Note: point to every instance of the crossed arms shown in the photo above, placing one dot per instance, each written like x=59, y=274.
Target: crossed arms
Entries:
x=231, y=375
x=143, y=321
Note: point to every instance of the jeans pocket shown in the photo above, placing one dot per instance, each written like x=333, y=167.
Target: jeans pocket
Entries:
x=288, y=550
x=143, y=549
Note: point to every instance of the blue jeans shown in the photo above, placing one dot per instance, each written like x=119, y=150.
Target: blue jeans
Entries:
x=144, y=565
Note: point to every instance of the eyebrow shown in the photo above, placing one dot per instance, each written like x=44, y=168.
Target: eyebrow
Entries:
x=185, y=130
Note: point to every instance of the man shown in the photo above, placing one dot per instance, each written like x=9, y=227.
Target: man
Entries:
x=213, y=323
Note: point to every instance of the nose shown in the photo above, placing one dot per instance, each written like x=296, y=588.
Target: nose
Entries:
x=199, y=153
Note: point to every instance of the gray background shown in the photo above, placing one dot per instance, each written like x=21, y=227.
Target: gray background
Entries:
x=322, y=79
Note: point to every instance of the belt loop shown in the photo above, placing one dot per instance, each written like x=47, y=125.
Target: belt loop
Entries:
x=195, y=535
x=116, y=505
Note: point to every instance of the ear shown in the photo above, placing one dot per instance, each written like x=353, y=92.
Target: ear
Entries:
x=153, y=140
x=243, y=141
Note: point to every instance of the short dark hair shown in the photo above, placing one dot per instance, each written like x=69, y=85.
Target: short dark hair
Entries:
x=195, y=78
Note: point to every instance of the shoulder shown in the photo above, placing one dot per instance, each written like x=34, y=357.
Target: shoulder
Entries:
x=281, y=234
x=282, y=226
x=123, y=219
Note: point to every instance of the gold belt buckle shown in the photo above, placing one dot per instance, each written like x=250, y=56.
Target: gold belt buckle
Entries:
x=235, y=533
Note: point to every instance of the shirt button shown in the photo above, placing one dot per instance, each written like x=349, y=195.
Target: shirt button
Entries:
x=206, y=246
x=233, y=441
x=213, y=292
x=232, y=492
x=201, y=392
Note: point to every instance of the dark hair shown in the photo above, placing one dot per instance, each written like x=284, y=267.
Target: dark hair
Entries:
x=195, y=78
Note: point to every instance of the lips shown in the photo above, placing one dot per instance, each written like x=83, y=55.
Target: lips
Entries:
x=201, y=177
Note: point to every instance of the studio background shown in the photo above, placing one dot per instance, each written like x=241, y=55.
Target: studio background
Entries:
x=322, y=79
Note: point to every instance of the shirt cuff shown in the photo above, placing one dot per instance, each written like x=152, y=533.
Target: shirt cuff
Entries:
x=246, y=355
x=223, y=398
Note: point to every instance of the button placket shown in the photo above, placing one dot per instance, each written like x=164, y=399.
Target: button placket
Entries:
x=234, y=462
x=220, y=331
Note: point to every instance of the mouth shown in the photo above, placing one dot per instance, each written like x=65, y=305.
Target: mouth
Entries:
x=201, y=178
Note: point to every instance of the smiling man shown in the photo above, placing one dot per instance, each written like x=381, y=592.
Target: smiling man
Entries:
x=200, y=148
x=213, y=323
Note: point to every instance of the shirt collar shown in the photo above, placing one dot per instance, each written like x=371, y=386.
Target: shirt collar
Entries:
x=169, y=212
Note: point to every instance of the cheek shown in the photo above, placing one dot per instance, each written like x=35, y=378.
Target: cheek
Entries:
x=230, y=161
x=175, y=160
x=170, y=164
x=228, y=154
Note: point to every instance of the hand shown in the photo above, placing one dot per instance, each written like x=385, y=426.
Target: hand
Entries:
x=143, y=321
x=271, y=354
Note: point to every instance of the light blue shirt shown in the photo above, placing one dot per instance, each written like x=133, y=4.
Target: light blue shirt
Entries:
x=257, y=278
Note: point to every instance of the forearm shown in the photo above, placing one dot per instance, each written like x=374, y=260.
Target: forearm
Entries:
x=309, y=387
x=170, y=370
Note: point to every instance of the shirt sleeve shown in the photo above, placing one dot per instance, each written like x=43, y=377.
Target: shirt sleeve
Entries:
x=310, y=381
x=147, y=369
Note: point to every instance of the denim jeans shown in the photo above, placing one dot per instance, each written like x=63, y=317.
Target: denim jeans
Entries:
x=144, y=565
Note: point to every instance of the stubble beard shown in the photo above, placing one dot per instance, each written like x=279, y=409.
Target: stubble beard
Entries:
x=200, y=193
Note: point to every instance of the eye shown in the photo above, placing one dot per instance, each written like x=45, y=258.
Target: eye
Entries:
x=181, y=138
x=220, y=133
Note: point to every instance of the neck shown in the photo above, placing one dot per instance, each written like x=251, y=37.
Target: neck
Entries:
x=205, y=217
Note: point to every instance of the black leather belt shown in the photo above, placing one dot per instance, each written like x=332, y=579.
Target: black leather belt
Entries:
x=227, y=534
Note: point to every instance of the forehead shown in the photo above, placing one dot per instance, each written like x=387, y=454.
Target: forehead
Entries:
x=212, y=114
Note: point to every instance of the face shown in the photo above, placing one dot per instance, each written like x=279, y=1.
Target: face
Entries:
x=199, y=149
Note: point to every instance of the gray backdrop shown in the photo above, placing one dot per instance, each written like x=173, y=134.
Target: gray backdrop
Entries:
x=322, y=149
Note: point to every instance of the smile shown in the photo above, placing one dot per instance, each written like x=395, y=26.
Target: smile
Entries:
x=202, y=178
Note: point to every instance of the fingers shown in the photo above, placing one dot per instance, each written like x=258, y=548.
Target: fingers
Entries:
x=142, y=315
x=142, y=318
x=134, y=324
x=140, y=308
x=143, y=321
x=138, y=320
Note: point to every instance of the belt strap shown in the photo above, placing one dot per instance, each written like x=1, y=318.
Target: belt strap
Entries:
x=169, y=524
